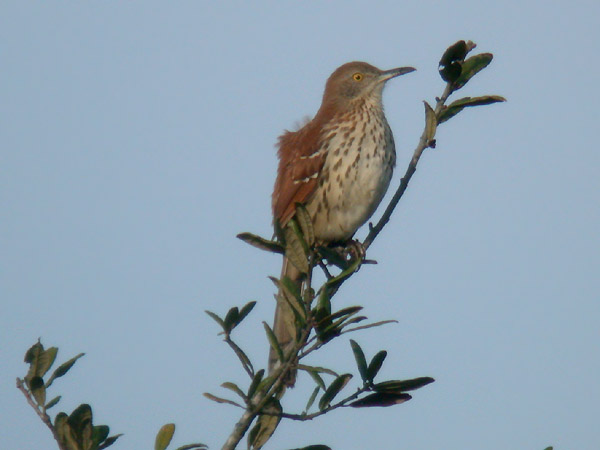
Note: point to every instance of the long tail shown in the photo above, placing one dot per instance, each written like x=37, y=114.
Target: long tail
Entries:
x=283, y=324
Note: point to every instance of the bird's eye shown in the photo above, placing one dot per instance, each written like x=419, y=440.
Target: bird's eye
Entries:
x=357, y=76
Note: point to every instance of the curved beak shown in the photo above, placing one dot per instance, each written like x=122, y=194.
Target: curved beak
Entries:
x=389, y=74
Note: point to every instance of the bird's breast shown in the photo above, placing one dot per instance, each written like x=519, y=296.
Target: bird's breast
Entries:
x=356, y=175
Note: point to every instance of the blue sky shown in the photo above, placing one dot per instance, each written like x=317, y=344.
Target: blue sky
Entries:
x=138, y=140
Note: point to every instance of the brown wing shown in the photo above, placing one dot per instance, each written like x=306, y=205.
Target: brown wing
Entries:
x=300, y=164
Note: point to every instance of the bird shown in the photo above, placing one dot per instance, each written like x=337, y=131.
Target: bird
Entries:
x=338, y=166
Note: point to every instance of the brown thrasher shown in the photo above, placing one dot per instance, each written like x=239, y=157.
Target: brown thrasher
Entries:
x=339, y=165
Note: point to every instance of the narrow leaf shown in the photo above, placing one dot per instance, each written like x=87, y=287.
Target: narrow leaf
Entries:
x=265, y=425
x=345, y=274
x=110, y=441
x=430, y=123
x=295, y=247
x=380, y=399
x=345, y=312
x=214, y=398
x=164, y=436
x=312, y=398
x=246, y=310
x=371, y=325
x=457, y=106
x=46, y=359
x=99, y=434
x=361, y=361
x=255, y=382
x=63, y=369
x=231, y=319
x=234, y=387
x=315, y=447
x=471, y=67
x=52, y=402
x=216, y=319
x=403, y=385
x=193, y=447
x=261, y=243
x=334, y=388
x=273, y=341
x=305, y=222
x=318, y=369
x=33, y=352
x=38, y=390
x=288, y=292
x=317, y=378
x=376, y=364
x=241, y=356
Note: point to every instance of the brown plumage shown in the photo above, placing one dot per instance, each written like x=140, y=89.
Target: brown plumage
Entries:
x=338, y=165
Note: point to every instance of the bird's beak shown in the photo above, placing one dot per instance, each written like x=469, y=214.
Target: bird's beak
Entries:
x=388, y=74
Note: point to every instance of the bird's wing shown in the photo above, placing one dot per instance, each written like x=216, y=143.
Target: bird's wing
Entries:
x=300, y=165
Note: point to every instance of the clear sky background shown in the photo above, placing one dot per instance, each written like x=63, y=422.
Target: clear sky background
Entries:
x=137, y=139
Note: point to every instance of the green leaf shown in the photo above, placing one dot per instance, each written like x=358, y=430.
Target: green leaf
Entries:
x=273, y=341
x=430, y=123
x=52, y=402
x=46, y=359
x=246, y=310
x=361, y=361
x=312, y=398
x=255, y=382
x=231, y=319
x=317, y=369
x=345, y=274
x=314, y=447
x=334, y=388
x=471, y=67
x=61, y=427
x=242, y=356
x=33, y=352
x=216, y=319
x=380, y=399
x=371, y=325
x=333, y=257
x=37, y=388
x=345, y=312
x=376, y=364
x=261, y=243
x=214, y=398
x=193, y=447
x=110, y=441
x=265, y=425
x=295, y=247
x=99, y=434
x=403, y=385
x=317, y=378
x=306, y=225
x=164, y=436
x=63, y=369
x=80, y=423
x=450, y=62
x=234, y=387
x=457, y=106
x=288, y=292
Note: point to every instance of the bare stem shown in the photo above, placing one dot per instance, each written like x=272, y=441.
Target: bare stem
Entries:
x=42, y=414
x=410, y=170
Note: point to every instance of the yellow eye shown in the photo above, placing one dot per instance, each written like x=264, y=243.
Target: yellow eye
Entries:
x=357, y=76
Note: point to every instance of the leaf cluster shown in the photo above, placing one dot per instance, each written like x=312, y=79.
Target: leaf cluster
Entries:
x=74, y=431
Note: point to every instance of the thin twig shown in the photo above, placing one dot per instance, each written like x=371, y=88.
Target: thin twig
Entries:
x=42, y=414
x=410, y=170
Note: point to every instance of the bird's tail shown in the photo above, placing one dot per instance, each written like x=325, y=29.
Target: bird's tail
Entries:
x=284, y=326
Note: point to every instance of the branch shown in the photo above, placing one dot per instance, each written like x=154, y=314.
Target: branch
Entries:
x=42, y=414
x=424, y=143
